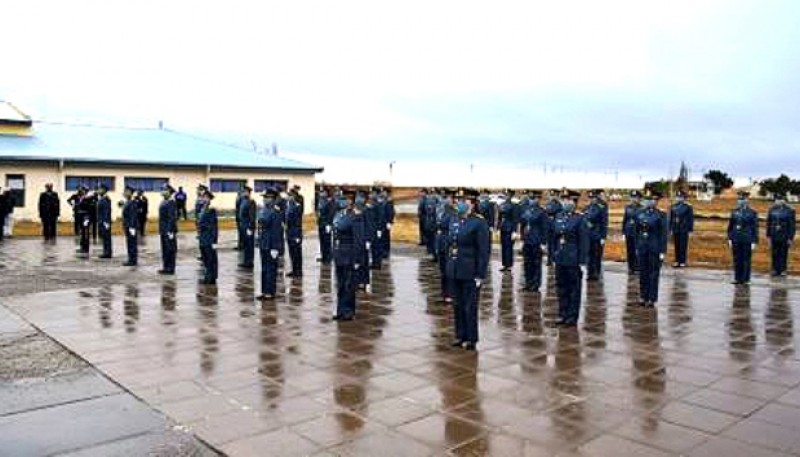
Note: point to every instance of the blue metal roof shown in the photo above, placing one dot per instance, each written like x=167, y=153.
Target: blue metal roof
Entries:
x=146, y=146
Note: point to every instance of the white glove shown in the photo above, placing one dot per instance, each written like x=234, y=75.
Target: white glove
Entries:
x=273, y=253
x=730, y=243
x=514, y=236
x=132, y=231
x=171, y=236
x=369, y=245
x=602, y=242
x=478, y=283
x=107, y=225
x=297, y=240
x=753, y=246
x=624, y=237
x=356, y=266
x=661, y=257
x=583, y=269
x=380, y=234
x=327, y=229
x=214, y=246
x=388, y=226
x=249, y=232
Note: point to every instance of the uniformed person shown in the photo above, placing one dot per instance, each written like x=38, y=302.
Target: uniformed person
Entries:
x=652, y=233
x=247, y=224
x=508, y=224
x=208, y=235
x=349, y=246
x=376, y=224
x=629, y=230
x=168, y=230
x=326, y=211
x=130, y=226
x=360, y=218
x=468, y=261
x=104, y=220
x=294, y=233
x=83, y=211
x=240, y=196
x=681, y=224
x=535, y=233
x=429, y=224
x=742, y=237
x=487, y=209
x=270, y=238
x=552, y=208
x=143, y=207
x=49, y=210
x=389, y=215
x=446, y=218
x=422, y=200
x=198, y=210
x=571, y=254
x=781, y=228
x=596, y=216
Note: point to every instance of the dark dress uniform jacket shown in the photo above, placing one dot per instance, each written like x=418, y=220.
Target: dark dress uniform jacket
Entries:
x=486, y=208
x=629, y=219
x=681, y=218
x=270, y=229
x=130, y=215
x=349, y=239
x=652, y=230
x=743, y=226
x=571, y=240
x=104, y=212
x=508, y=217
x=49, y=206
x=471, y=257
x=596, y=216
x=781, y=223
x=537, y=227
x=207, y=225
x=294, y=220
x=167, y=217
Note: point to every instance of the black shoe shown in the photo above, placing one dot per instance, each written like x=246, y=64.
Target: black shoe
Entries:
x=265, y=297
x=166, y=272
x=457, y=343
x=593, y=278
x=104, y=257
x=375, y=267
x=245, y=267
x=340, y=317
x=129, y=264
x=294, y=274
x=471, y=346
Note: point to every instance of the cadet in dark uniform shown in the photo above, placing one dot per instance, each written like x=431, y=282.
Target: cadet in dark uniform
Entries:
x=446, y=219
x=83, y=211
x=508, y=223
x=422, y=200
x=49, y=210
x=247, y=224
x=270, y=238
x=535, y=233
x=73, y=202
x=360, y=217
x=571, y=253
x=91, y=207
x=389, y=215
x=349, y=247
x=596, y=216
x=742, y=238
x=376, y=223
x=130, y=225
x=104, y=220
x=552, y=208
x=781, y=228
x=208, y=234
x=629, y=230
x=168, y=230
x=326, y=210
x=681, y=224
x=429, y=225
x=198, y=210
x=294, y=234
x=468, y=260
x=143, y=206
x=487, y=209
x=240, y=195
x=652, y=233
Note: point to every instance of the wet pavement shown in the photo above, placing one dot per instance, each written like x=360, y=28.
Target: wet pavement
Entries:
x=712, y=370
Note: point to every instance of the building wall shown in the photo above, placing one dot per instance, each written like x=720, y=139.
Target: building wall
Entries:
x=38, y=174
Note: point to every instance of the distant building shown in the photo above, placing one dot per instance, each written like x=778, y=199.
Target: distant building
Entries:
x=33, y=154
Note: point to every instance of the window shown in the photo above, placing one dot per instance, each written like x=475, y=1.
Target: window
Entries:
x=91, y=182
x=16, y=188
x=146, y=184
x=227, y=185
x=262, y=184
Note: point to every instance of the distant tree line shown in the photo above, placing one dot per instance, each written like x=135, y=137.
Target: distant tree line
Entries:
x=782, y=184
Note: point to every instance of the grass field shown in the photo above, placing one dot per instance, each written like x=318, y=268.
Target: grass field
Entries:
x=708, y=247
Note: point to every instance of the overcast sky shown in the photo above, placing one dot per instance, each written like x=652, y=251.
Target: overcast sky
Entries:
x=620, y=88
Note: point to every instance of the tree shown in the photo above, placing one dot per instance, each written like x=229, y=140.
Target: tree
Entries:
x=720, y=179
x=780, y=185
x=683, y=176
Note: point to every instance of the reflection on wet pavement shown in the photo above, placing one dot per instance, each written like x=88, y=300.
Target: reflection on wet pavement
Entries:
x=712, y=370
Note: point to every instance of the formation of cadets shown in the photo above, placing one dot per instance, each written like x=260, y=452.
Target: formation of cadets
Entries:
x=456, y=226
